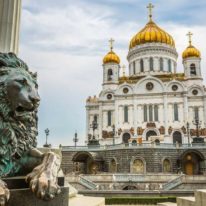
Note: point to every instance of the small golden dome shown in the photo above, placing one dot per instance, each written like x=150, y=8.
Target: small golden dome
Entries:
x=191, y=51
x=111, y=57
x=151, y=33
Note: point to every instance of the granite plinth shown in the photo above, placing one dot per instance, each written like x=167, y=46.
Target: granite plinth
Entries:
x=21, y=195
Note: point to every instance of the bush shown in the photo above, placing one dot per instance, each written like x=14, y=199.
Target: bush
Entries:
x=137, y=200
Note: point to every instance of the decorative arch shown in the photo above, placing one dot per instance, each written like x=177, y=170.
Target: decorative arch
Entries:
x=144, y=135
x=138, y=165
x=195, y=86
x=147, y=79
x=120, y=88
x=177, y=136
x=126, y=136
x=180, y=84
x=113, y=165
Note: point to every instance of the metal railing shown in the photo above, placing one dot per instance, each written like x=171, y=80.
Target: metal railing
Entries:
x=133, y=146
x=88, y=183
x=173, y=183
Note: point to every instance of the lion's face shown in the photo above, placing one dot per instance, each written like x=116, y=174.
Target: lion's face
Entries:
x=22, y=95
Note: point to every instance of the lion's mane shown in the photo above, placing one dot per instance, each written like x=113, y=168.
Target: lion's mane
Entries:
x=17, y=136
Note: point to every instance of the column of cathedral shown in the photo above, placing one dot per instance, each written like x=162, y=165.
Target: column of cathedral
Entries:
x=185, y=108
x=10, y=12
x=165, y=114
x=204, y=111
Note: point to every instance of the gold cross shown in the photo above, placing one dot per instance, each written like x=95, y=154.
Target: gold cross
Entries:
x=150, y=7
x=189, y=34
x=123, y=69
x=111, y=41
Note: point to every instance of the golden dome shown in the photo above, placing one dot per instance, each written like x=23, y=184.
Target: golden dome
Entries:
x=191, y=51
x=111, y=57
x=151, y=33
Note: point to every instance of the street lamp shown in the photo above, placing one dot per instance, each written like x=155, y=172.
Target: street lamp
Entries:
x=47, y=135
x=188, y=133
x=93, y=141
x=113, y=132
x=197, y=139
x=75, y=139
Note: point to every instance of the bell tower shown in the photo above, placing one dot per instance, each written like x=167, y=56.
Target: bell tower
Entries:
x=192, y=60
x=111, y=68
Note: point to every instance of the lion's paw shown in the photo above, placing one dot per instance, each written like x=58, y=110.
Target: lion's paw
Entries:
x=44, y=188
x=4, y=194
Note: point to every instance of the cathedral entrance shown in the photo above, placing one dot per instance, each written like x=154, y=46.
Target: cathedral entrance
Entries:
x=189, y=168
x=126, y=137
x=177, y=137
x=150, y=133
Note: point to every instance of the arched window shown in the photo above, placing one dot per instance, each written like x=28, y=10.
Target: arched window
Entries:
x=193, y=69
x=177, y=137
x=95, y=118
x=134, y=67
x=113, y=166
x=109, y=75
x=169, y=65
x=137, y=166
x=145, y=113
x=166, y=166
x=141, y=65
x=125, y=113
x=150, y=113
x=196, y=111
x=151, y=64
x=176, y=116
x=156, y=116
x=109, y=118
x=161, y=64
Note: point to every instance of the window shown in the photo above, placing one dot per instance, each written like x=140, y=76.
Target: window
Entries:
x=109, y=75
x=176, y=118
x=169, y=65
x=109, y=118
x=145, y=113
x=150, y=113
x=134, y=69
x=125, y=113
x=196, y=111
x=151, y=64
x=156, y=116
x=193, y=69
x=141, y=65
x=161, y=64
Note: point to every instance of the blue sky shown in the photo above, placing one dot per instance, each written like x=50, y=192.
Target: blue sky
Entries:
x=65, y=41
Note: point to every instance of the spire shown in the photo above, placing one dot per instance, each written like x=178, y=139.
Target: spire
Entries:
x=189, y=34
x=111, y=41
x=150, y=7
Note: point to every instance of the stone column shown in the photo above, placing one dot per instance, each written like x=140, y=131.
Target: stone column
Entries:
x=100, y=121
x=185, y=108
x=204, y=111
x=10, y=12
x=165, y=114
x=135, y=118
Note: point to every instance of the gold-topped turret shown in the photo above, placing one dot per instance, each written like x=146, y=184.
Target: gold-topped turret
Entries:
x=151, y=33
x=191, y=51
x=111, y=57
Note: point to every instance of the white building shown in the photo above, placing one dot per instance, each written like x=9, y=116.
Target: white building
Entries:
x=154, y=102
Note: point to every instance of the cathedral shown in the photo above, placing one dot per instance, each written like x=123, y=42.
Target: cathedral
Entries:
x=153, y=103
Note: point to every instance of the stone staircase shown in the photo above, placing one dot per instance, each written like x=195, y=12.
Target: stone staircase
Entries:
x=198, y=200
x=173, y=183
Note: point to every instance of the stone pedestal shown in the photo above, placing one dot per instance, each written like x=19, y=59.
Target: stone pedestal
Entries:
x=10, y=12
x=21, y=195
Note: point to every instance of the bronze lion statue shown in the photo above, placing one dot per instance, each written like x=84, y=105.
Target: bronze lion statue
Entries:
x=19, y=101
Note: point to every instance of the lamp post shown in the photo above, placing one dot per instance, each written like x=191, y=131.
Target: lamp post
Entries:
x=47, y=135
x=75, y=139
x=93, y=141
x=113, y=131
x=197, y=139
x=188, y=133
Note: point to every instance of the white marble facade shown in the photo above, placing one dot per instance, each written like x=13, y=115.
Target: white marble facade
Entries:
x=172, y=99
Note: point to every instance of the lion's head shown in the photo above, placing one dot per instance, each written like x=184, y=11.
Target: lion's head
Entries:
x=19, y=101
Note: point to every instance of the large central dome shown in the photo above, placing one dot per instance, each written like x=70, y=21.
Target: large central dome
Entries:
x=151, y=33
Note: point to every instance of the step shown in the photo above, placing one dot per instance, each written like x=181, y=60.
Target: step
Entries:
x=86, y=201
x=200, y=197
x=167, y=204
x=186, y=201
